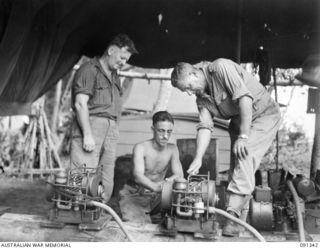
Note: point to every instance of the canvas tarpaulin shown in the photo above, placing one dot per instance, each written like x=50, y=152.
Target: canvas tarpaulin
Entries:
x=41, y=40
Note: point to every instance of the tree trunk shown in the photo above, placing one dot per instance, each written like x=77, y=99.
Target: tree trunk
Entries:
x=315, y=158
x=163, y=94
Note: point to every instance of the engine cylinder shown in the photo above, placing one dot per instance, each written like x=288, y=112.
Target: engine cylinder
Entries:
x=304, y=186
x=261, y=215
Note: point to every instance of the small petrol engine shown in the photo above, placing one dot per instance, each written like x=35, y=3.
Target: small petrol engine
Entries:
x=186, y=204
x=71, y=192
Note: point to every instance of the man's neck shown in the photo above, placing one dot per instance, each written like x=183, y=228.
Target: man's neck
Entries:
x=158, y=147
x=204, y=82
x=105, y=66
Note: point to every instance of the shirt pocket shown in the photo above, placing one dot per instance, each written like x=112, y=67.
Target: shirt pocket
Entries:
x=220, y=97
x=227, y=106
x=102, y=95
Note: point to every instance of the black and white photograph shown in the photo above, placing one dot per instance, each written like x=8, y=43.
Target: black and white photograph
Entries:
x=159, y=121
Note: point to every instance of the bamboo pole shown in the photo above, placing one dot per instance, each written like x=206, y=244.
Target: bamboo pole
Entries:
x=163, y=77
x=52, y=147
x=33, y=143
x=45, y=160
x=29, y=129
x=56, y=107
x=144, y=75
x=32, y=147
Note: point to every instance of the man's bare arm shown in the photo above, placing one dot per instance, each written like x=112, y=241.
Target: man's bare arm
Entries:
x=139, y=169
x=240, y=146
x=203, y=140
x=82, y=113
x=176, y=166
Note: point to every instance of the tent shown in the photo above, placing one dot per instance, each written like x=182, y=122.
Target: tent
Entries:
x=41, y=40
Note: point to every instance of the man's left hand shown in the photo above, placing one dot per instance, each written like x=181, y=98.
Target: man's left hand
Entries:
x=240, y=148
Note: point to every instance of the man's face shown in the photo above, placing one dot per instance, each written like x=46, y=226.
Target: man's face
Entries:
x=118, y=57
x=161, y=132
x=193, y=83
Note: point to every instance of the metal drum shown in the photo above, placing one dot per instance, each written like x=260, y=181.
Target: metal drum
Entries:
x=261, y=215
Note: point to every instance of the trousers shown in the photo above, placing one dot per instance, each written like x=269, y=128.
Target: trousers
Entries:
x=242, y=172
x=106, y=135
x=136, y=205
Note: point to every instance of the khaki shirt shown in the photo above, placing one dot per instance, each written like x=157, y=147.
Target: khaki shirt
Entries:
x=227, y=82
x=104, y=92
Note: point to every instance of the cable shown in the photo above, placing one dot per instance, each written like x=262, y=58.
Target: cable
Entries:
x=240, y=222
x=299, y=214
x=115, y=216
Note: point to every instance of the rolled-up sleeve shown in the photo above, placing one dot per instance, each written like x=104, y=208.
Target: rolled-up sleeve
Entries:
x=229, y=74
x=205, y=119
x=84, y=80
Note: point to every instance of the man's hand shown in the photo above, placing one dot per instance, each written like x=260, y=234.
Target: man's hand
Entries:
x=240, y=148
x=195, y=166
x=88, y=143
x=158, y=188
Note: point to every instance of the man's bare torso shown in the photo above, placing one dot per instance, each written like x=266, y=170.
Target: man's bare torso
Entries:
x=157, y=162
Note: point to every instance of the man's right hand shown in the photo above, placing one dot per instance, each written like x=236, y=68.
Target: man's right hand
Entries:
x=195, y=166
x=88, y=143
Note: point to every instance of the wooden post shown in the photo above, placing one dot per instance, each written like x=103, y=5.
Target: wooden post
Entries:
x=276, y=99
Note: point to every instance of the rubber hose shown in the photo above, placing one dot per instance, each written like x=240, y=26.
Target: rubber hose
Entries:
x=115, y=216
x=299, y=214
x=240, y=222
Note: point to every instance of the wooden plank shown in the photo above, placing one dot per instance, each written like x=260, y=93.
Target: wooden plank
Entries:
x=26, y=228
x=23, y=227
x=32, y=171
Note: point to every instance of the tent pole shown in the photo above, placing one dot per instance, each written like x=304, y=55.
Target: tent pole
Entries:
x=239, y=31
x=276, y=99
x=315, y=158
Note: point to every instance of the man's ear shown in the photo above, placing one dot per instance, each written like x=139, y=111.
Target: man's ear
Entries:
x=111, y=50
x=152, y=128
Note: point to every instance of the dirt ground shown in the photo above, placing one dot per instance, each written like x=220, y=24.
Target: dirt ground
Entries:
x=23, y=196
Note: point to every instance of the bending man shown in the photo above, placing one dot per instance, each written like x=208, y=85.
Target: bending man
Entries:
x=227, y=91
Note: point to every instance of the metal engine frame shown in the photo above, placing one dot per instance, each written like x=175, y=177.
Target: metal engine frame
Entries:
x=186, y=206
x=71, y=193
x=274, y=209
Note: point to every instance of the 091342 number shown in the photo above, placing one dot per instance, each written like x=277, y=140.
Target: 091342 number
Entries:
x=309, y=244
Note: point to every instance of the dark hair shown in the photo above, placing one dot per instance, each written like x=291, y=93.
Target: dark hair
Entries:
x=181, y=70
x=162, y=116
x=123, y=40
